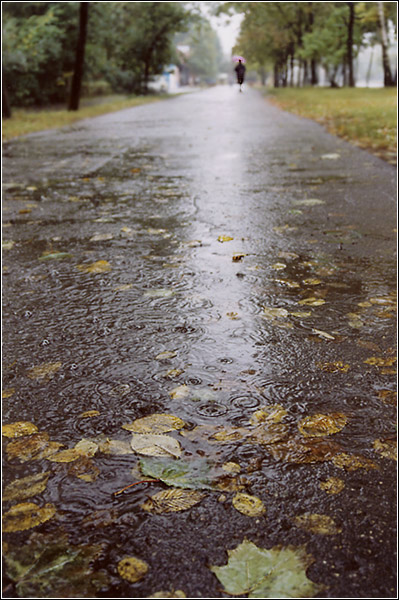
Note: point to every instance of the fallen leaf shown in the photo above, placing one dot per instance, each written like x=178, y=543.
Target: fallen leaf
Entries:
x=18, y=429
x=48, y=566
x=316, y=523
x=23, y=488
x=274, y=413
x=180, y=392
x=251, y=506
x=187, y=474
x=159, y=293
x=231, y=467
x=88, y=414
x=169, y=594
x=352, y=462
x=320, y=425
x=334, y=367
x=101, y=237
x=155, y=445
x=115, y=447
x=312, y=281
x=278, y=266
x=387, y=448
x=333, y=485
x=330, y=156
x=309, y=202
x=238, y=257
x=224, y=238
x=173, y=500
x=312, y=301
x=388, y=396
x=156, y=423
x=173, y=373
x=300, y=451
x=7, y=393
x=64, y=456
x=273, y=313
x=55, y=256
x=380, y=362
x=27, y=515
x=32, y=447
x=276, y=573
x=132, y=569
x=166, y=355
x=7, y=244
x=84, y=468
x=44, y=371
x=101, y=266
x=323, y=334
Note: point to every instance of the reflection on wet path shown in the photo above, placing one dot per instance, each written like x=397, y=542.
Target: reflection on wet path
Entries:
x=211, y=269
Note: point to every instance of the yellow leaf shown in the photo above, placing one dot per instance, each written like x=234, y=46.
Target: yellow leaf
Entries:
x=316, y=523
x=352, y=462
x=27, y=515
x=251, y=506
x=101, y=266
x=231, y=467
x=32, y=447
x=273, y=313
x=65, y=456
x=179, y=392
x=274, y=413
x=224, y=238
x=173, y=500
x=324, y=334
x=116, y=447
x=89, y=413
x=26, y=487
x=7, y=393
x=44, y=371
x=311, y=281
x=312, y=301
x=334, y=367
x=387, y=448
x=238, y=257
x=279, y=266
x=333, y=485
x=380, y=362
x=151, y=444
x=19, y=429
x=166, y=355
x=156, y=423
x=320, y=425
x=172, y=373
x=132, y=569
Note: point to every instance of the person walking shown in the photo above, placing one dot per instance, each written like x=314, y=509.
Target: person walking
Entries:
x=240, y=71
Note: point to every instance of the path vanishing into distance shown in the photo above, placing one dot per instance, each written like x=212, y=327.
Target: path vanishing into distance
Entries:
x=199, y=299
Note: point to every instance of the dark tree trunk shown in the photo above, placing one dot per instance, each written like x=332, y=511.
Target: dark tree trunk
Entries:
x=388, y=79
x=349, y=44
x=80, y=55
x=313, y=72
x=276, y=75
x=6, y=107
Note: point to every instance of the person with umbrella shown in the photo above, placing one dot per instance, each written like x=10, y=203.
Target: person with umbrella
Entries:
x=240, y=70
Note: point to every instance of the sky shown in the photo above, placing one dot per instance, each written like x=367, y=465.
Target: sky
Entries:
x=227, y=27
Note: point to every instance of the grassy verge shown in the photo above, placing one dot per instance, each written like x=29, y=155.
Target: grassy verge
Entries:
x=366, y=117
x=24, y=121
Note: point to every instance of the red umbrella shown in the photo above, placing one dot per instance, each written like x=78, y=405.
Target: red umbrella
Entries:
x=239, y=58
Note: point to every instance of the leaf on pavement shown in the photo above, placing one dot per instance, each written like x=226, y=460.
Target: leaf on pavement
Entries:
x=173, y=500
x=44, y=371
x=168, y=594
x=19, y=429
x=100, y=266
x=156, y=423
x=309, y=202
x=312, y=301
x=352, y=462
x=225, y=238
x=387, y=448
x=23, y=488
x=132, y=569
x=155, y=445
x=248, y=505
x=316, y=523
x=300, y=451
x=88, y=414
x=32, y=447
x=276, y=573
x=186, y=474
x=274, y=413
x=166, y=355
x=333, y=485
x=27, y=515
x=320, y=425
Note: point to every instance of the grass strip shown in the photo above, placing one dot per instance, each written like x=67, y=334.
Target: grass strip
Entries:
x=366, y=117
x=24, y=121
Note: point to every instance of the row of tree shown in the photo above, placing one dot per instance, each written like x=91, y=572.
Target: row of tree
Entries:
x=295, y=39
x=115, y=46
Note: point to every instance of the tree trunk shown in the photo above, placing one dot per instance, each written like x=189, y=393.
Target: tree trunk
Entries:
x=292, y=59
x=79, y=59
x=349, y=44
x=388, y=79
x=5, y=107
x=276, y=75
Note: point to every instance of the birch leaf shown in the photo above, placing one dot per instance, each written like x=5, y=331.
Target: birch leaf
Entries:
x=155, y=445
x=19, y=429
x=320, y=425
x=333, y=485
x=276, y=573
x=23, y=488
x=32, y=447
x=352, y=462
x=225, y=238
x=173, y=500
x=387, y=448
x=156, y=423
x=316, y=523
x=44, y=371
x=179, y=392
x=248, y=505
x=100, y=266
x=186, y=474
x=132, y=569
x=27, y=515
x=312, y=301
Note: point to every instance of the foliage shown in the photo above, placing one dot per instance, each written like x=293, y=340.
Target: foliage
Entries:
x=205, y=57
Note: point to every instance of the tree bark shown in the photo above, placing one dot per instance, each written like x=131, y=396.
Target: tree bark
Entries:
x=388, y=79
x=79, y=59
x=349, y=44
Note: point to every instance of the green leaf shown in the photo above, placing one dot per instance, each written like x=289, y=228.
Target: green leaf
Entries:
x=47, y=566
x=260, y=573
x=193, y=474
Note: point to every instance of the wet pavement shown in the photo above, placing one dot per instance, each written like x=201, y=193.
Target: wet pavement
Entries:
x=212, y=258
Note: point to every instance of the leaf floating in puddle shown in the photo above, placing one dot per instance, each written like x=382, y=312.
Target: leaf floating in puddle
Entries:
x=312, y=281
x=132, y=569
x=312, y=301
x=276, y=573
x=387, y=448
x=186, y=474
x=251, y=506
x=180, y=392
x=288, y=283
x=123, y=288
x=273, y=313
x=166, y=355
x=84, y=469
x=32, y=447
x=274, y=413
x=65, y=456
x=169, y=594
x=44, y=371
x=352, y=462
x=333, y=485
x=23, y=488
x=279, y=266
x=101, y=266
x=55, y=256
x=309, y=202
x=388, y=396
x=48, y=566
x=321, y=425
x=7, y=244
x=155, y=445
x=324, y=335
x=173, y=373
x=315, y=523
x=89, y=414
x=156, y=423
x=101, y=237
x=334, y=367
x=159, y=293
x=27, y=515
x=330, y=156
x=174, y=500
x=300, y=451
x=225, y=238
x=7, y=393
x=116, y=447
x=380, y=362
x=19, y=429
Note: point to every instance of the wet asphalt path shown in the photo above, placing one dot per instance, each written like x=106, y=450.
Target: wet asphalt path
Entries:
x=259, y=251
